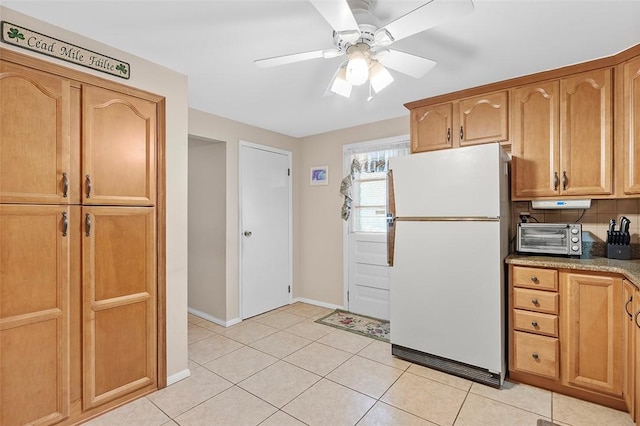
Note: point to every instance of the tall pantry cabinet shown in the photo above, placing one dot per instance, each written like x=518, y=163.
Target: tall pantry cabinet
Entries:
x=78, y=243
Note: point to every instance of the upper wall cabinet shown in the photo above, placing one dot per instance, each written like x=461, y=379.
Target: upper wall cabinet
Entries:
x=34, y=137
x=119, y=134
x=484, y=119
x=431, y=127
x=468, y=121
x=563, y=142
x=631, y=120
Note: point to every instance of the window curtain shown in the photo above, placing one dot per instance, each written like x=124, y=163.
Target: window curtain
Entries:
x=370, y=158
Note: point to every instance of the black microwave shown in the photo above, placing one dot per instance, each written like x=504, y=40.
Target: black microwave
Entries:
x=550, y=238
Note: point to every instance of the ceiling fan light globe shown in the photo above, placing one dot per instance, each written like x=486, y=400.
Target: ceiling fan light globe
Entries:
x=379, y=77
x=357, y=69
x=340, y=85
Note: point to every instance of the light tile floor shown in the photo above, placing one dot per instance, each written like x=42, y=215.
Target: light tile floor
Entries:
x=281, y=368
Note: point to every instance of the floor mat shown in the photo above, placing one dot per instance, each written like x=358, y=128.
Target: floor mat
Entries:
x=359, y=324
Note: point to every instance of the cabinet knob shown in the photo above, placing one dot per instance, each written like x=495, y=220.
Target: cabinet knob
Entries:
x=534, y=279
x=534, y=323
x=535, y=355
x=534, y=301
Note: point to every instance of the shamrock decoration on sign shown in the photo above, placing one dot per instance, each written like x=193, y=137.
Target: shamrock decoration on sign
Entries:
x=14, y=33
x=122, y=69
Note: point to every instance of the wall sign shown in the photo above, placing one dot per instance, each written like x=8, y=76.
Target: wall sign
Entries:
x=43, y=44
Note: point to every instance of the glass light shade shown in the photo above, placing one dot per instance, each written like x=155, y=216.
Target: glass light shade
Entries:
x=340, y=85
x=357, y=68
x=379, y=77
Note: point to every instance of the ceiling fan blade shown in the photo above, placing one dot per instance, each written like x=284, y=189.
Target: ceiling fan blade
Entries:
x=429, y=15
x=412, y=65
x=338, y=14
x=296, y=57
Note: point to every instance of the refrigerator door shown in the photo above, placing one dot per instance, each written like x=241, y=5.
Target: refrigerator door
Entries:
x=461, y=182
x=447, y=291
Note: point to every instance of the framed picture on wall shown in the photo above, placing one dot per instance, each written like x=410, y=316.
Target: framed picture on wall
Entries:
x=319, y=175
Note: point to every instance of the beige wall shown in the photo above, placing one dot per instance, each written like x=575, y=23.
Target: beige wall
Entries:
x=207, y=227
x=231, y=132
x=320, y=260
x=151, y=77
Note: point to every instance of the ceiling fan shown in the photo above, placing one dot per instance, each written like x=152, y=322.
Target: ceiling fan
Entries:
x=359, y=35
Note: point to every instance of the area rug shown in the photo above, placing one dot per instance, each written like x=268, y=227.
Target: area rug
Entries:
x=359, y=324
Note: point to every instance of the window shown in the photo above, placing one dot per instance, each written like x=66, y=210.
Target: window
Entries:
x=369, y=188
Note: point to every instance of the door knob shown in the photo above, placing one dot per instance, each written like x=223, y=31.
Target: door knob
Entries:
x=247, y=233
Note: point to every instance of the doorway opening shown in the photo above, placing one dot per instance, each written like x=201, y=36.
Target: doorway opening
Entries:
x=207, y=228
x=366, y=273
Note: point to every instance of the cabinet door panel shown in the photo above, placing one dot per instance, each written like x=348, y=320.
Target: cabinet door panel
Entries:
x=586, y=140
x=34, y=314
x=592, y=332
x=431, y=128
x=34, y=136
x=628, y=332
x=119, y=306
x=484, y=119
x=119, y=145
x=536, y=141
x=631, y=113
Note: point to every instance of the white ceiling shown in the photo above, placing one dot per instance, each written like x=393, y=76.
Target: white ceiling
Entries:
x=215, y=42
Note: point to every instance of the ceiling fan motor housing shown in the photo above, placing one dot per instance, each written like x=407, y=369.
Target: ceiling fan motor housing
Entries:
x=368, y=24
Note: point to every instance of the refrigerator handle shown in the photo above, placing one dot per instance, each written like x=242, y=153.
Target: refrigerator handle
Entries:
x=391, y=218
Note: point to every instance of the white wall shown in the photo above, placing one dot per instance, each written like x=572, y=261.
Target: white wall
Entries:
x=207, y=227
x=153, y=78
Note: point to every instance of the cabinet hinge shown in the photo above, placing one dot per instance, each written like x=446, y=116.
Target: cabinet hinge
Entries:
x=288, y=172
x=289, y=289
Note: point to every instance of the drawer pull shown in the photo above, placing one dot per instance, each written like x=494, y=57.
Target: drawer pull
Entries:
x=534, y=279
x=535, y=355
x=534, y=323
x=534, y=301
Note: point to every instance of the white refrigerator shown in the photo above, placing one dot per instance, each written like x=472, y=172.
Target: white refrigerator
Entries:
x=448, y=238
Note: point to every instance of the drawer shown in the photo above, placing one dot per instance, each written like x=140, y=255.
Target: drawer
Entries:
x=536, y=354
x=535, y=322
x=542, y=279
x=535, y=300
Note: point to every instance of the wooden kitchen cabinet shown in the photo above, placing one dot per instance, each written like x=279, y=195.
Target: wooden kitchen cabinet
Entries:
x=34, y=313
x=576, y=346
x=468, y=121
x=79, y=276
x=591, y=344
x=431, y=128
x=35, y=164
x=563, y=143
x=119, y=148
x=631, y=122
x=629, y=304
x=119, y=308
x=483, y=119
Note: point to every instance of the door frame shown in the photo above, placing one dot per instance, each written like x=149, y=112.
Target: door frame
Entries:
x=289, y=154
x=345, y=223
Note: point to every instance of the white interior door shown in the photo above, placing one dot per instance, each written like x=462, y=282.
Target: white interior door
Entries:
x=265, y=197
x=368, y=274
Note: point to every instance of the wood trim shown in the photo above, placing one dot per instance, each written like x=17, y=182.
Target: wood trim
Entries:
x=610, y=61
x=161, y=246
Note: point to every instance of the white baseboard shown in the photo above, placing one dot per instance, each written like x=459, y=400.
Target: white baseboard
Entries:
x=180, y=375
x=213, y=319
x=317, y=303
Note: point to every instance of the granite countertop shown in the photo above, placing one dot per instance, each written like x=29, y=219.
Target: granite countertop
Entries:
x=629, y=268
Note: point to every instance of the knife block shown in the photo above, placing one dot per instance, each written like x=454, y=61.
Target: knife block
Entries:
x=619, y=251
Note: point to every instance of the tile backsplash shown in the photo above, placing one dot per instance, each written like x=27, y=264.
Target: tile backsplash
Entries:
x=595, y=219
